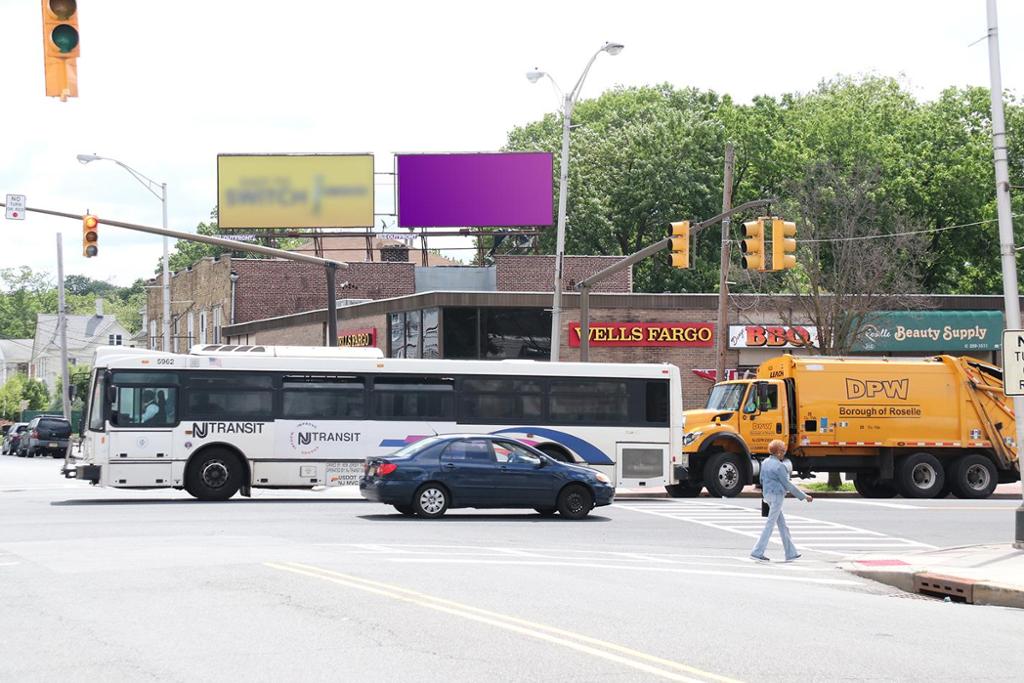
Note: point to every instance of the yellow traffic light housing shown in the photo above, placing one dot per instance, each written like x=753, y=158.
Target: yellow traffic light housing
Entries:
x=681, y=244
x=753, y=245
x=783, y=244
x=60, y=47
x=90, y=236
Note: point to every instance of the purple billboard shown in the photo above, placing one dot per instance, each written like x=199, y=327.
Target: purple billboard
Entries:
x=471, y=190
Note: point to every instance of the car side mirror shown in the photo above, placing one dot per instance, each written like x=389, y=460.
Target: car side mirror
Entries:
x=542, y=463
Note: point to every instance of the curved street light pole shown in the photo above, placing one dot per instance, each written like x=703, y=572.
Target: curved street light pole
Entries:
x=568, y=102
x=150, y=185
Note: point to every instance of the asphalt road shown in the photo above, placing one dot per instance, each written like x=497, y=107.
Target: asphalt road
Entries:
x=100, y=584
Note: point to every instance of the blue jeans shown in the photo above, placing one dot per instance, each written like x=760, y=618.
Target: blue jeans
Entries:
x=775, y=516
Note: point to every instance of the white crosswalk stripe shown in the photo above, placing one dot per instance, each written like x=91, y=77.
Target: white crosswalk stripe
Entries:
x=830, y=538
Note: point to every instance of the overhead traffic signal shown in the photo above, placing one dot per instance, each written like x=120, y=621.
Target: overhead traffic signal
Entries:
x=783, y=244
x=90, y=236
x=681, y=244
x=753, y=245
x=60, y=47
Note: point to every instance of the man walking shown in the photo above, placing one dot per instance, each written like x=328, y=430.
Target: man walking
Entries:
x=774, y=485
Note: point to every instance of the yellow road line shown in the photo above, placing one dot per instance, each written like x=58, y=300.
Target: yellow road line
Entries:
x=595, y=647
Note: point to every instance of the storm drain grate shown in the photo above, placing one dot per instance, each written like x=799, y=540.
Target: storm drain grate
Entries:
x=944, y=586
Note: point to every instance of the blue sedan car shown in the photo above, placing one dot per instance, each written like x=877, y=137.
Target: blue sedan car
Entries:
x=479, y=471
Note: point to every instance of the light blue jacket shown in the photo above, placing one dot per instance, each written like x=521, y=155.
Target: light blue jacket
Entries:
x=775, y=480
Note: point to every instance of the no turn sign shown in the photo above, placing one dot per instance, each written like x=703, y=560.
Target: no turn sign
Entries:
x=15, y=207
x=1013, y=362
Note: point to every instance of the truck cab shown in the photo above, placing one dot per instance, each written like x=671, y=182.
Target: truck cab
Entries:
x=726, y=440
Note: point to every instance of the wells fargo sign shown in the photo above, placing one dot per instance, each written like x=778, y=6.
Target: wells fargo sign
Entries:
x=645, y=334
x=363, y=337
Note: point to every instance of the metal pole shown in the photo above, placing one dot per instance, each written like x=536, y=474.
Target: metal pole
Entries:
x=166, y=276
x=584, y=324
x=563, y=195
x=62, y=323
x=332, y=305
x=1011, y=294
x=723, y=271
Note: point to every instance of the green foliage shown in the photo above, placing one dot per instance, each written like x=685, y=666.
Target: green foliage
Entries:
x=34, y=391
x=79, y=377
x=11, y=396
x=186, y=253
x=643, y=157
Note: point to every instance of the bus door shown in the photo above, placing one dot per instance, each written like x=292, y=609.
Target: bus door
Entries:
x=143, y=413
x=764, y=415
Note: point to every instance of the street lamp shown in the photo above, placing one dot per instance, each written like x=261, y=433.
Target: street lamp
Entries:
x=568, y=101
x=150, y=185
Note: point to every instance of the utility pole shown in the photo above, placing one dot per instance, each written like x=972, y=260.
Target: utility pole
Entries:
x=62, y=324
x=1011, y=294
x=723, y=271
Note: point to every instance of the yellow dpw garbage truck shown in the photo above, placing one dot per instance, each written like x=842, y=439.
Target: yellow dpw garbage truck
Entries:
x=919, y=427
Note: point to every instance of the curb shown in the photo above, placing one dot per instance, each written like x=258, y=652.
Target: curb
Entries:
x=910, y=580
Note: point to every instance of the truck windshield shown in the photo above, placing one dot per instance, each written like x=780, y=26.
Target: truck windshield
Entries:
x=726, y=397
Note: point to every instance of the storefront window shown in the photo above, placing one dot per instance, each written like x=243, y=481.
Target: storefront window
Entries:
x=516, y=333
x=460, y=333
x=412, y=334
x=397, y=335
x=431, y=348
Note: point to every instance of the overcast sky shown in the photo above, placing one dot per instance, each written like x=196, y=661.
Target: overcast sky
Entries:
x=166, y=86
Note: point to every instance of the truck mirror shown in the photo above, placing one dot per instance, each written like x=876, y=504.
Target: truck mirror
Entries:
x=111, y=393
x=762, y=395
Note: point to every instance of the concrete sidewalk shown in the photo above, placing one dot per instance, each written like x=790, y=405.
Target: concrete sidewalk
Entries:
x=977, y=574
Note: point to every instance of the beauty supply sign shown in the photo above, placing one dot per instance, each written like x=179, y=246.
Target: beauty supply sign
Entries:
x=645, y=334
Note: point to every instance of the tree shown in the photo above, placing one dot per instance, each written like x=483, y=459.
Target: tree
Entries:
x=34, y=391
x=187, y=252
x=25, y=294
x=11, y=397
x=79, y=377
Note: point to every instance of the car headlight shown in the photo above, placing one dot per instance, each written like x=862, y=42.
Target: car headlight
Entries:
x=690, y=437
x=603, y=478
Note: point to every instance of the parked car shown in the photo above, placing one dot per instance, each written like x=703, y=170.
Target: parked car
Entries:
x=13, y=436
x=479, y=471
x=46, y=435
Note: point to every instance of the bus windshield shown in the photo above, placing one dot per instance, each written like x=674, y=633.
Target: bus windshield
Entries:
x=96, y=400
x=726, y=397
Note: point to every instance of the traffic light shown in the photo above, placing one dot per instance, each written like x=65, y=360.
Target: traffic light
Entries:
x=681, y=244
x=90, y=236
x=753, y=245
x=60, y=47
x=783, y=244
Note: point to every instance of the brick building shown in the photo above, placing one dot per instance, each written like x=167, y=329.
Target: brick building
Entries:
x=675, y=328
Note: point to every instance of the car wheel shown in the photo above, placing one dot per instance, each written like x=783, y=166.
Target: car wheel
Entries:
x=575, y=502
x=431, y=501
x=684, y=490
x=724, y=475
x=973, y=476
x=214, y=475
x=546, y=512
x=870, y=486
x=920, y=475
x=406, y=510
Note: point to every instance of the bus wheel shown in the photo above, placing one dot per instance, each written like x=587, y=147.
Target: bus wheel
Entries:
x=724, y=475
x=684, y=490
x=920, y=475
x=870, y=486
x=575, y=502
x=973, y=476
x=214, y=475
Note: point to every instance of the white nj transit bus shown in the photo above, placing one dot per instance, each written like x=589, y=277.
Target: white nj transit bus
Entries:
x=223, y=419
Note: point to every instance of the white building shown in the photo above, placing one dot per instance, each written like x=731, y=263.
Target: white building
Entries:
x=15, y=355
x=85, y=334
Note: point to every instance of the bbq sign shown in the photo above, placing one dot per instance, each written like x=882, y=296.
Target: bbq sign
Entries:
x=773, y=337
x=645, y=334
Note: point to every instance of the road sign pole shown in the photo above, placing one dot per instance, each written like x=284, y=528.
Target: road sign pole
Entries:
x=1011, y=294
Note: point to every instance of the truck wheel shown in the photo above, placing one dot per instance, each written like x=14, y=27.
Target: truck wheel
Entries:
x=973, y=476
x=870, y=486
x=684, y=490
x=920, y=475
x=724, y=475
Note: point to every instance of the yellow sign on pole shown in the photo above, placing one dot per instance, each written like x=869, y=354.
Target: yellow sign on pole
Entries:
x=295, y=190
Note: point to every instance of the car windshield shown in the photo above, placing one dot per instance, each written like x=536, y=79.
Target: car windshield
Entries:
x=726, y=397
x=414, y=448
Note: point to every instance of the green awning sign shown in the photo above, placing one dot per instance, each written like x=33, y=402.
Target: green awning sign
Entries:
x=940, y=331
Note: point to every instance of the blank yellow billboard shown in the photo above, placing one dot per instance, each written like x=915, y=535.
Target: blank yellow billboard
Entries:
x=295, y=190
